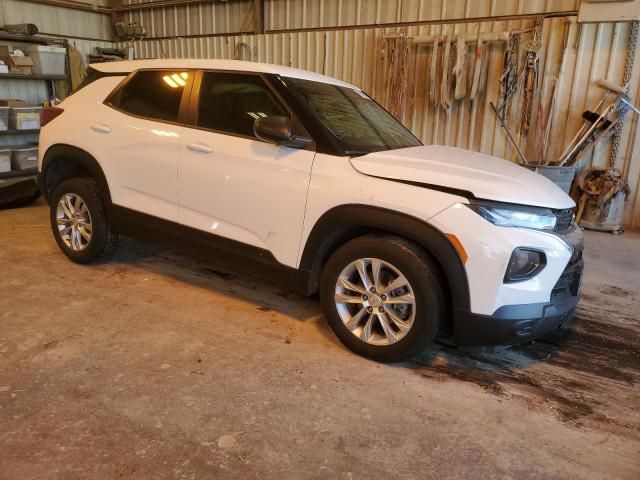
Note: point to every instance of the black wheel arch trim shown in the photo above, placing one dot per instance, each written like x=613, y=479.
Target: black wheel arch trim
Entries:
x=83, y=158
x=345, y=222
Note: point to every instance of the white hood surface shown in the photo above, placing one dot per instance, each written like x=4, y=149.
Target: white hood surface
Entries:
x=485, y=176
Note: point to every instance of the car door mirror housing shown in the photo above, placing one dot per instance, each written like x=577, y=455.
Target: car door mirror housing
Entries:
x=277, y=129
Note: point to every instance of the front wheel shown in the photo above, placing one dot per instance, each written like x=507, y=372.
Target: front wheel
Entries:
x=382, y=297
x=79, y=222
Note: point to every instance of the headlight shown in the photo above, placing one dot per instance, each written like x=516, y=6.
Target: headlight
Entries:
x=525, y=263
x=505, y=215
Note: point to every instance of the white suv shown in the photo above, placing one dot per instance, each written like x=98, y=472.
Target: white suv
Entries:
x=306, y=181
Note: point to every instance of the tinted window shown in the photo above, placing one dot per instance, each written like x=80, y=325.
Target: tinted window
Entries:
x=360, y=124
x=154, y=95
x=231, y=102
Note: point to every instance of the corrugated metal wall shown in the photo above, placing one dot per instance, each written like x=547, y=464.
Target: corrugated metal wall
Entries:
x=94, y=29
x=59, y=22
x=590, y=52
x=357, y=55
x=236, y=16
x=287, y=14
x=203, y=18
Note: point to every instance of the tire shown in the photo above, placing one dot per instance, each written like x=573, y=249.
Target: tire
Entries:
x=19, y=194
x=91, y=221
x=365, y=333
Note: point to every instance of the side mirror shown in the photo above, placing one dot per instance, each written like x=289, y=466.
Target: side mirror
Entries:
x=277, y=129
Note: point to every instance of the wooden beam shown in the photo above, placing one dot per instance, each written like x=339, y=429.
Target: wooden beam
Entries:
x=158, y=4
x=74, y=5
x=258, y=12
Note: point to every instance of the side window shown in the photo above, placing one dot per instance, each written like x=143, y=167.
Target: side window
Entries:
x=153, y=94
x=231, y=102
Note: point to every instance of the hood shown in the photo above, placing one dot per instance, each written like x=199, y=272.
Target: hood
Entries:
x=485, y=176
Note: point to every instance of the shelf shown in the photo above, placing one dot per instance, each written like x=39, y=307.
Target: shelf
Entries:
x=20, y=132
x=19, y=173
x=17, y=76
x=21, y=38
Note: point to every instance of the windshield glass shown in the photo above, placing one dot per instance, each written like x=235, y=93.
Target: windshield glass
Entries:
x=359, y=123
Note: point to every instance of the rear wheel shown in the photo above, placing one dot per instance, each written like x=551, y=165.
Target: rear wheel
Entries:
x=382, y=297
x=79, y=222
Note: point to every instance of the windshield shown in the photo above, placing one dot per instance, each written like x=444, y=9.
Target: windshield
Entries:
x=359, y=123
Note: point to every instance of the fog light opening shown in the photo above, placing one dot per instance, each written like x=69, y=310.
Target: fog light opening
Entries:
x=525, y=263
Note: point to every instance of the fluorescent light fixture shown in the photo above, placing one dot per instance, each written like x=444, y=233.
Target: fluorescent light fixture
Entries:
x=176, y=80
x=169, y=81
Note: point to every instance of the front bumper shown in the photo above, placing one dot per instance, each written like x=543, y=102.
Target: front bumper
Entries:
x=513, y=324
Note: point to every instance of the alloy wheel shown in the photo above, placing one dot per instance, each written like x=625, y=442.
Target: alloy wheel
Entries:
x=375, y=301
x=74, y=222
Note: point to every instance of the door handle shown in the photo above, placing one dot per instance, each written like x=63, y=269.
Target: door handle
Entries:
x=100, y=128
x=199, y=147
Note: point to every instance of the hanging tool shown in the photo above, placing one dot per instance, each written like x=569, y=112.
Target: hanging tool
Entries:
x=509, y=78
x=475, y=84
x=459, y=70
x=532, y=64
x=398, y=70
x=433, y=88
x=509, y=136
x=445, y=99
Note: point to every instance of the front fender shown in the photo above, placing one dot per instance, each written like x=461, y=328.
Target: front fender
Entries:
x=343, y=223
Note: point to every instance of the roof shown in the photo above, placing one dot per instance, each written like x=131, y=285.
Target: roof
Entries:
x=128, y=66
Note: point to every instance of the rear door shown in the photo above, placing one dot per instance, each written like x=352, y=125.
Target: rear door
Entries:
x=233, y=185
x=138, y=129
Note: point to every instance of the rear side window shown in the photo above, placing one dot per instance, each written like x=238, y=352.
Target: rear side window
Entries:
x=231, y=102
x=152, y=94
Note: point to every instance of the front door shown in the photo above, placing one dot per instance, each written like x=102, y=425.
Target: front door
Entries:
x=233, y=185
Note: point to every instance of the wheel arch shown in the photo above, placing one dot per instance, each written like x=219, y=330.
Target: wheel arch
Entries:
x=341, y=224
x=62, y=161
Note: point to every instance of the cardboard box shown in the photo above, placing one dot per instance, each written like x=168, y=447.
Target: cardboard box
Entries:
x=17, y=64
x=12, y=102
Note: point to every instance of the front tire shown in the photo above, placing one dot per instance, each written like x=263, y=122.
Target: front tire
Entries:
x=382, y=297
x=79, y=222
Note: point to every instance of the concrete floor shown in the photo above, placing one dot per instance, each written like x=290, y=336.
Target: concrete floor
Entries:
x=153, y=365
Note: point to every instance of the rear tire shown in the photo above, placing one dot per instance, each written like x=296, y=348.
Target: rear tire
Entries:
x=79, y=222
x=373, y=320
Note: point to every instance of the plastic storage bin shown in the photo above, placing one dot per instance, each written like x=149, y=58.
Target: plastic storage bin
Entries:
x=24, y=118
x=4, y=118
x=5, y=160
x=24, y=158
x=47, y=59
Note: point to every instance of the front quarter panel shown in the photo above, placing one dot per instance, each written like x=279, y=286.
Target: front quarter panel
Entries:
x=334, y=183
x=489, y=249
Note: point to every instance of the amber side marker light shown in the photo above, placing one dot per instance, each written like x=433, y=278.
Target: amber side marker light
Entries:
x=458, y=246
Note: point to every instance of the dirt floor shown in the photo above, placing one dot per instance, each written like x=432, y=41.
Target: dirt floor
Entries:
x=153, y=365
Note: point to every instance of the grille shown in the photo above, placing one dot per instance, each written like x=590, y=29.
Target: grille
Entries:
x=564, y=219
x=569, y=282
